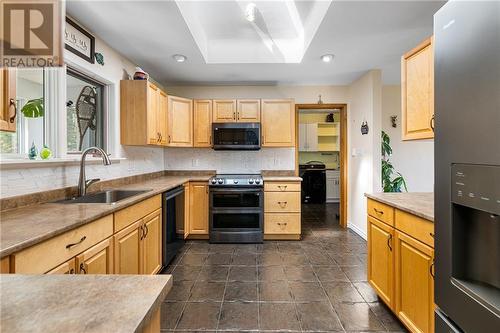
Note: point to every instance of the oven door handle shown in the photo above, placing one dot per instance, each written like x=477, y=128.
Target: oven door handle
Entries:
x=220, y=190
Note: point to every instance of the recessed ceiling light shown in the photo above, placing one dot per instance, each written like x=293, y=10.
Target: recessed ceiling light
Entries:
x=179, y=57
x=250, y=12
x=327, y=57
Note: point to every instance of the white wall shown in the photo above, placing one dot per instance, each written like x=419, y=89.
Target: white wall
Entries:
x=364, y=166
x=415, y=158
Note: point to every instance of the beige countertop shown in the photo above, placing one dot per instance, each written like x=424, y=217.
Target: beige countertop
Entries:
x=26, y=226
x=416, y=203
x=281, y=178
x=80, y=303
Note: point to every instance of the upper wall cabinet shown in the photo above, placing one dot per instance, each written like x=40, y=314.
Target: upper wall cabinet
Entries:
x=248, y=110
x=224, y=110
x=180, y=122
x=202, y=128
x=8, y=112
x=278, y=123
x=143, y=113
x=417, y=92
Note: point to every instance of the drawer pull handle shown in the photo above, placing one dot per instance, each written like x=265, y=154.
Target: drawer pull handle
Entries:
x=282, y=223
x=82, y=269
x=69, y=246
x=147, y=230
x=72, y=271
x=142, y=232
x=389, y=242
x=378, y=211
x=282, y=203
x=431, y=234
x=282, y=187
x=431, y=269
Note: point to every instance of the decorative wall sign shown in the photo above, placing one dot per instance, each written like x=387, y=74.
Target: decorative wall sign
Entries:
x=364, y=127
x=79, y=41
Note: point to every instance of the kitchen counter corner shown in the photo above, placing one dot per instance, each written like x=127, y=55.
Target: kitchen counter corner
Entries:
x=416, y=203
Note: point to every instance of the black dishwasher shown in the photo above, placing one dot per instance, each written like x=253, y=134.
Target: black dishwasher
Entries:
x=172, y=224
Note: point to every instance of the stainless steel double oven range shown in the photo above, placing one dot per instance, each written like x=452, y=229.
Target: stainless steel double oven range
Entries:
x=236, y=209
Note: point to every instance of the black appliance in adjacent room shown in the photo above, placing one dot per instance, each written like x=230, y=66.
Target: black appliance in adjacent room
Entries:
x=236, y=136
x=172, y=224
x=313, y=175
x=467, y=167
x=236, y=209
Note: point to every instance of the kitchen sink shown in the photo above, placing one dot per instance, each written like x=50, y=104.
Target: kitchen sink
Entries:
x=106, y=197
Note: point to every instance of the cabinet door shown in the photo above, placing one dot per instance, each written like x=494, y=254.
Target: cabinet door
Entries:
x=312, y=137
x=414, y=271
x=302, y=137
x=202, y=123
x=162, y=117
x=180, y=122
x=8, y=112
x=153, y=107
x=98, y=259
x=224, y=110
x=198, y=203
x=248, y=111
x=417, y=84
x=330, y=189
x=381, y=260
x=65, y=268
x=278, y=123
x=152, y=254
x=186, y=212
x=128, y=249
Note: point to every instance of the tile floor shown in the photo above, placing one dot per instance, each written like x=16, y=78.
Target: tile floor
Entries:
x=315, y=285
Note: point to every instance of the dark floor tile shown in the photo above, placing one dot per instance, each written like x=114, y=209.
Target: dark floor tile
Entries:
x=274, y=291
x=219, y=259
x=330, y=273
x=295, y=259
x=355, y=273
x=318, y=258
x=213, y=273
x=366, y=291
x=193, y=259
x=200, y=316
x=170, y=313
x=318, y=316
x=385, y=315
x=267, y=247
x=186, y=273
x=246, y=259
x=300, y=273
x=241, y=291
x=342, y=292
x=269, y=259
x=358, y=316
x=346, y=258
x=207, y=291
x=246, y=249
x=271, y=273
x=278, y=316
x=222, y=248
x=242, y=273
x=199, y=248
x=307, y=291
x=181, y=290
x=239, y=316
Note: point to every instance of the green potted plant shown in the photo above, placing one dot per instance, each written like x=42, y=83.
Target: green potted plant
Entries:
x=392, y=181
x=34, y=108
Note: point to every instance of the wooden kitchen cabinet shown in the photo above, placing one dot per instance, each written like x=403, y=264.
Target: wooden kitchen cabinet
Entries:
x=381, y=259
x=224, y=110
x=202, y=123
x=198, y=208
x=332, y=185
x=278, y=123
x=152, y=238
x=128, y=249
x=414, y=270
x=282, y=210
x=248, y=110
x=68, y=267
x=99, y=259
x=417, y=92
x=180, y=122
x=143, y=112
x=8, y=112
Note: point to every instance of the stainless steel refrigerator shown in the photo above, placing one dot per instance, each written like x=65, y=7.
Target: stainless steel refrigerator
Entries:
x=467, y=166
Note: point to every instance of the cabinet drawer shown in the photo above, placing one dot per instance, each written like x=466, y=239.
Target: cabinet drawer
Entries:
x=276, y=223
x=282, y=187
x=282, y=202
x=136, y=212
x=381, y=211
x=42, y=257
x=416, y=227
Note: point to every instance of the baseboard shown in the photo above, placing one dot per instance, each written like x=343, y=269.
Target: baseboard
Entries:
x=357, y=230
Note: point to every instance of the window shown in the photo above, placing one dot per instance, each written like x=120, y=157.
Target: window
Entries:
x=30, y=121
x=84, y=113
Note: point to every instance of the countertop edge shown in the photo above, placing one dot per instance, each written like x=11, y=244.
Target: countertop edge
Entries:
x=155, y=306
x=375, y=197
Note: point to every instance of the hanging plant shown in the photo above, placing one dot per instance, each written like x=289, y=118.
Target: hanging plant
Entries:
x=390, y=184
x=33, y=108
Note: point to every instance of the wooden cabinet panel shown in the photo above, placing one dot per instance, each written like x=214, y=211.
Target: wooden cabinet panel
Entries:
x=416, y=227
x=202, y=115
x=5, y=265
x=224, y=110
x=198, y=208
x=278, y=123
x=128, y=249
x=135, y=212
x=248, y=110
x=180, y=122
x=381, y=260
x=281, y=186
x=8, y=111
x=414, y=283
x=152, y=243
x=153, y=113
x=417, y=85
x=383, y=212
x=99, y=259
x=162, y=117
x=282, y=202
x=279, y=223
x=69, y=267
x=186, y=212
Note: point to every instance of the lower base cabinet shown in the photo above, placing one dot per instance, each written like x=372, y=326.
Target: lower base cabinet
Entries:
x=97, y=260
x=69, y=267
x=152, y=256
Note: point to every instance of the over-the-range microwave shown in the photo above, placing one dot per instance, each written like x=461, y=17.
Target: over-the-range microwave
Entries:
x=236, y=136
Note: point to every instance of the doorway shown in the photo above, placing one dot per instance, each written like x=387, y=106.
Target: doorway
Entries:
x=321, y=139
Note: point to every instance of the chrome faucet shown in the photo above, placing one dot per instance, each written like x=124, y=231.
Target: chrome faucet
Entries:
x=83, y=184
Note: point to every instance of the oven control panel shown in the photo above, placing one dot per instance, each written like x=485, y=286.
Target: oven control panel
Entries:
x=236, y=180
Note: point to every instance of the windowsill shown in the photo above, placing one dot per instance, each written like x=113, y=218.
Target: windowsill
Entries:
x=13, y=163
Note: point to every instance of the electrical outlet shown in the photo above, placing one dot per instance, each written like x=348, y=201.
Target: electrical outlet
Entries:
x=195, y=162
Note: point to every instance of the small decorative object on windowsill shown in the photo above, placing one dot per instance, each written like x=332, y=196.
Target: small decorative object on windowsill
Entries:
x=319, y=100
x=329, y=118
x=32, y=152
x=140, y=74
x=99, y=58
x=45, y=153
x=393, y=121
x=364, y=127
